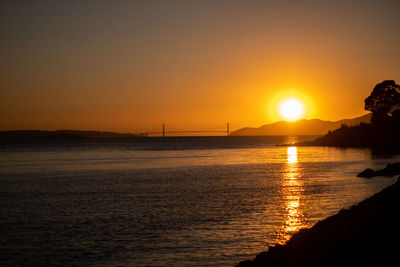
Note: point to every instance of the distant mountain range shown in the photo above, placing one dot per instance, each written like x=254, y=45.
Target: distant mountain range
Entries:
x=301, y=127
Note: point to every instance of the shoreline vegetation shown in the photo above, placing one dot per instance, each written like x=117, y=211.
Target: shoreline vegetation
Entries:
x=382, y=133
x=367, y=234
x=379, y=137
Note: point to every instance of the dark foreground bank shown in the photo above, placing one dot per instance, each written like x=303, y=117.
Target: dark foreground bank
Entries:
x=367, y=234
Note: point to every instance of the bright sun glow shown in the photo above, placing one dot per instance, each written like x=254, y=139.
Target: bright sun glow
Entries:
x=291, y=109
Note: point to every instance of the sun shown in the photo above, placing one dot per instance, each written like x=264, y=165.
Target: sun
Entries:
x=291, y=109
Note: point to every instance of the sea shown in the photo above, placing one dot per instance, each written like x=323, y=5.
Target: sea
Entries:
x=173, y=201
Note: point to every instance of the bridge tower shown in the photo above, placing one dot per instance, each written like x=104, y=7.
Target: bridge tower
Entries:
x=163, y=130
x=227, y=129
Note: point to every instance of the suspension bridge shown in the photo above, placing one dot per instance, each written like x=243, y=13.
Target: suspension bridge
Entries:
x=174, y=131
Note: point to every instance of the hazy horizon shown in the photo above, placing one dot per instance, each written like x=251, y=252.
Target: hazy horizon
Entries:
x=201, y=133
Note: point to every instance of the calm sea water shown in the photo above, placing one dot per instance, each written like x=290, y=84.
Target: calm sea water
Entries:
x=194, y=201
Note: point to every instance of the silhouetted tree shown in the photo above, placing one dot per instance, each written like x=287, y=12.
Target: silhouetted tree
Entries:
x=382, y=135
x=384, y=101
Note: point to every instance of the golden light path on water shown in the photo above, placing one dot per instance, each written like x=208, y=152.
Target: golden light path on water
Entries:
x=292, y=192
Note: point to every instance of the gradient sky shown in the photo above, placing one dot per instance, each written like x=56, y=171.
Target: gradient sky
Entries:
x=126, y=66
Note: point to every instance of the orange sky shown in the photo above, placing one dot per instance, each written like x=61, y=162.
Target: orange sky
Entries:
x=126, y=67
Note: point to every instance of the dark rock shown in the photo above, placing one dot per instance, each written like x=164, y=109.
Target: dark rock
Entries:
x=368, y=173
x=368, y=234
x=390, y=170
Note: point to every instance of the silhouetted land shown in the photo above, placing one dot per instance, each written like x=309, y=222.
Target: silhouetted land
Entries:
x=380, y=137
x=367, y=234
x=382, y=134
x=302, y=127
x=61, y=134
x=390, y=170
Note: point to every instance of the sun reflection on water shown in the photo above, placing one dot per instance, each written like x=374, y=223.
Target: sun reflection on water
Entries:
x=292, y=154
x=292, y=192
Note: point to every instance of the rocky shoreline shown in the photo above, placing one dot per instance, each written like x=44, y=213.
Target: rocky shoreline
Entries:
x=389, y=170
x=367, y=234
